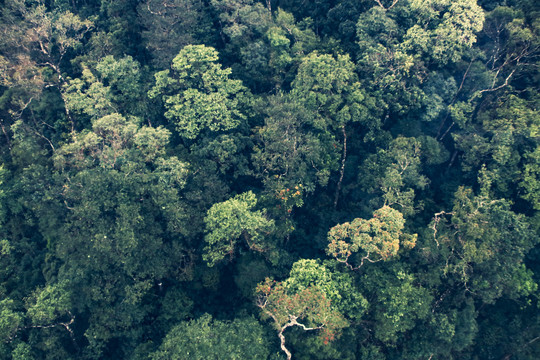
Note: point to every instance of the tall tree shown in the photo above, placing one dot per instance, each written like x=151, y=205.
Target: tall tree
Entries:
x=481, y=244
x=125, y=227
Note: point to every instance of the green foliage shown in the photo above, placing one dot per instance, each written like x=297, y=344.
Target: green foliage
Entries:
x=3, y=173
x=395, y=173
x=114, y=86
x=482, y=243
x=250, y=270
x=267, y=45
x=338, y=287
x=373, y=240
x=160, y=159
x=457, y=29
x=10, y=320
x=328, y=87
x=39, y=41
x=170, y=25
x=198, y=93
x=23, y=351
x=531, y=178
x=204, y=338
x=227, y=221
x=125, y=221
x=290, y=150
x=401, y=303
x=47, y=305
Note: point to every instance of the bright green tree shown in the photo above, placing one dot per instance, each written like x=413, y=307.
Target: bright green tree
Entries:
x=226, y=222
x=111, y=86
x=199, y=95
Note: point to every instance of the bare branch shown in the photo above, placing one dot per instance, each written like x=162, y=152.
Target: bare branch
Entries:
x=394, y=2
x=292, y=322
x=436, y=219
x=500, y=86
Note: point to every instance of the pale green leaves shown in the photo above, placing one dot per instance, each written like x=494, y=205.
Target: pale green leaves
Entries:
x=338, y=287
x=444, y=29
x=441, y=32
x=329, y=86
x=114, y=140
x=113, y=86
x=395, y=172
x=68, y=30
x=48, y=305
x=10, y=319
x=376, y=239
x=228, y=220
x=198, y=93
x=457, y=30
x=88, y=95
x=195, y=111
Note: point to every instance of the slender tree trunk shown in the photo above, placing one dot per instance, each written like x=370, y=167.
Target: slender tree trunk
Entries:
x=452, y=160
x=342, y=170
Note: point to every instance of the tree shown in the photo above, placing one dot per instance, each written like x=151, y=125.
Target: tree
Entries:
x=400, y=304
x=531, y=179
x=125, y=225
x=394, y=173
x=445, y=28
x=35, y=42
x=400, y=47
x=482, y=244
x=198, y=94
x=338, y=287
x=310, y=305
x=328, y=87
x=112, y=86
x=227, y=221
x=265, y=46
x=373, y=240
x=10, y=320
x=290, y=150
x=205, y=338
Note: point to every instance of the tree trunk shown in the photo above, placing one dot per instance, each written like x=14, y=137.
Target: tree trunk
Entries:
x=342, y=170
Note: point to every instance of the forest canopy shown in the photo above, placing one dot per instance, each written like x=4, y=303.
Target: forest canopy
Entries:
x=277, y=179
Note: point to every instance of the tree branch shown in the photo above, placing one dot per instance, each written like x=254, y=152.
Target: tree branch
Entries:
x=394, y=2
x=500, y=86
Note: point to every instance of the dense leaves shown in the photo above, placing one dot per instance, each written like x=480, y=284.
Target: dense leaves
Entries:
x=190, y=178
